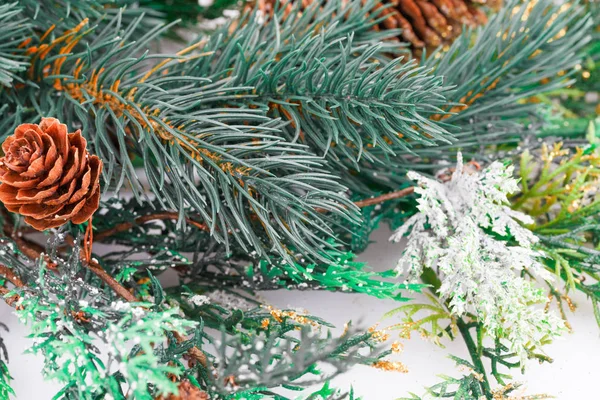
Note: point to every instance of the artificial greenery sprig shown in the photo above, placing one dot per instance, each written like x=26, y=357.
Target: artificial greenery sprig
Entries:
x=559, y=189
x=472, y=250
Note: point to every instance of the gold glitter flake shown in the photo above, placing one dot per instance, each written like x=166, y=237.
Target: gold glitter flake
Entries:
x=386, y=365
x=280, y=315
x=397, y=347
x=265, y=323
x=379, y=335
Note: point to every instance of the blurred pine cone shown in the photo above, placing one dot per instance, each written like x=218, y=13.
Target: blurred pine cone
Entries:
x=431, y=23
x=424, y=23
x=48, y=176
x=187, y=391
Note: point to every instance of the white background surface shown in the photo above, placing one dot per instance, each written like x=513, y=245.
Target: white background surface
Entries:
x=573, y=375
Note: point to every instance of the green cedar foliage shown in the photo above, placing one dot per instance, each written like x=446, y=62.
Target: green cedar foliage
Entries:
x=99, y=346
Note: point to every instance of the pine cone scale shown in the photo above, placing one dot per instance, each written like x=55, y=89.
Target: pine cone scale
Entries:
x=89, y=207
x=435, y=18
x=87, y=180
x=72, y=167
x=8, y=195
x=70, y=211
x=13, y=179
x=48, y=176
x=58, y=133
x=54, y=175
x=446, y=7
x=412, y=10
x=38, y=210
x=35, y=194
x=65, y=194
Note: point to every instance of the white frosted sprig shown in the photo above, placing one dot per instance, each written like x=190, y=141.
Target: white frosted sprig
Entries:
x=479, y=271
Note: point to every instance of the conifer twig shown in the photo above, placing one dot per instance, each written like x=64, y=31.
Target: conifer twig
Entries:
x=35, y=252
x=463, y=328
x=195, y=352
x=97, y=269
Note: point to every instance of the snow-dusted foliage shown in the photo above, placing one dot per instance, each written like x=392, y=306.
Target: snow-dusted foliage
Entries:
x=466, y=231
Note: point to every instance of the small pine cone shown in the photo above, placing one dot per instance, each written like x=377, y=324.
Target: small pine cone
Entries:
x=187, y=391
x=48, y=176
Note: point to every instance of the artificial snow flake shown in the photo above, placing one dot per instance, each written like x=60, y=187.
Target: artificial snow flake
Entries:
x=199, y=300
x=464, y=230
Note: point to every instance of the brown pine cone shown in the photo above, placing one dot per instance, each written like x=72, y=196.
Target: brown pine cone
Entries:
x=187, y=391
x=430, y=23
x=424, y=23
x=48, y=176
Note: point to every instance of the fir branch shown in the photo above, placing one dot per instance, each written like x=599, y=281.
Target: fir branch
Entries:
x=205, y=158
x=62, y=15
x=328, y=76
x=14, y=36
x=494, y=70
x=165, y=215
x=521, y=52
x=205, y=263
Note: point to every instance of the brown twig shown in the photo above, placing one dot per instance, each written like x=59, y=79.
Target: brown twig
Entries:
x=28, y=248
x=10, y=276
x=147, y=218
x=110, y=281
x=379, y=199
x=195, y=352
x=9, y=300
x=385, y=197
